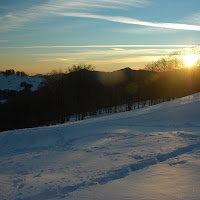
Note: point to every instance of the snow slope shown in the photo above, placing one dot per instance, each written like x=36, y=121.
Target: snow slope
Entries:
x=150, y=153
x=13, y=82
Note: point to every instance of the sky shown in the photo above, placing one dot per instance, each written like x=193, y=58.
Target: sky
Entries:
x=37, y=36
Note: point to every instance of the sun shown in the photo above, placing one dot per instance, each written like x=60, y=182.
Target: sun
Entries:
x=190, y=59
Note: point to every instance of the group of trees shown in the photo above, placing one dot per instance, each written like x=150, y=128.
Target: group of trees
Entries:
x=174, y=61
x=81, y=91
x=165, y=64
x=9, y=72
x=71, y=69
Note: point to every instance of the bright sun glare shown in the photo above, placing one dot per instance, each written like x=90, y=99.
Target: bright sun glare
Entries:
x=190, y=59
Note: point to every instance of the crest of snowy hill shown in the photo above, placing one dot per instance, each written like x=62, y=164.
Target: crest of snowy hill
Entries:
x=18, y=82
x=96, y=158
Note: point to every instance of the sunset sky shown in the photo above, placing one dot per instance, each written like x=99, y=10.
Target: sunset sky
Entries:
x=37, y=36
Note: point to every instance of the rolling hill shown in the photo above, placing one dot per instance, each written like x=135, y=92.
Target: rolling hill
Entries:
x=150, y=153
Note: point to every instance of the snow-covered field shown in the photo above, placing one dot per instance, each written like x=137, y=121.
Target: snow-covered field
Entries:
x=13, y=82
x=147, y=154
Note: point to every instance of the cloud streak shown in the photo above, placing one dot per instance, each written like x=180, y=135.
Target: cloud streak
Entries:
x=102, y=54
x=3, y=40
x=56, y=5
x=135, y=59
x=10, y=21
x=52, y=8
x=126, y=20
x=138, y=59
x=102, y=46
x=194, y=18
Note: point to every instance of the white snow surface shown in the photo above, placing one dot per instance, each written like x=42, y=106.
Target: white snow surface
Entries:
x=146, y=154
x=13, y=82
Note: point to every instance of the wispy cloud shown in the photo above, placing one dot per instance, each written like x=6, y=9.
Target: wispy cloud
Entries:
x=138, y=59
x=126, y=20
x=109, y=60
x=3, y=40
x=105, y=56
x=118, y=49
x=193, y=19
x=75, y=8
x=144, y=30
x=55, y=60
x=13, y=20
x=57, y=5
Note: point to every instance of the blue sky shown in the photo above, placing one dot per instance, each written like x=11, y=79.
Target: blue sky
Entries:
x=40, y=35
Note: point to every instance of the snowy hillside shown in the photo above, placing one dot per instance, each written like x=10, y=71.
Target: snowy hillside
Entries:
x=13, y=82
x=151, y=153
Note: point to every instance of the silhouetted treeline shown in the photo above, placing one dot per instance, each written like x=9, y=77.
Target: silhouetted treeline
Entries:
x=83, y=92
x=9, y=72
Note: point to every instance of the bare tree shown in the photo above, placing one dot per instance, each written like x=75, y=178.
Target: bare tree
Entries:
x=165, y=64
x=79, y=67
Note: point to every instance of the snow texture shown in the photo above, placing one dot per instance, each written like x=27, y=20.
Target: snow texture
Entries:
x=13, y=82
x=150, y=153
